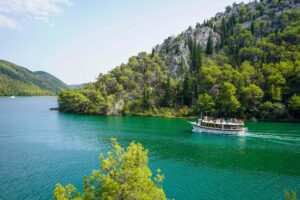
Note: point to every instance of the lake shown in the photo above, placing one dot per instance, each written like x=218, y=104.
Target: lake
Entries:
x=40, y=147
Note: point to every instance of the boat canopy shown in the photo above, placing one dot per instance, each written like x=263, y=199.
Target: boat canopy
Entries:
x=221, y=121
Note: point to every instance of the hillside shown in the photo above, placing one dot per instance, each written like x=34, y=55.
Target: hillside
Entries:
x=76, y=86
x=19, y=81
x=244, y=62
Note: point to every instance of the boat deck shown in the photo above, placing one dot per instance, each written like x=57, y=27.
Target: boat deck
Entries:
x=217, y=130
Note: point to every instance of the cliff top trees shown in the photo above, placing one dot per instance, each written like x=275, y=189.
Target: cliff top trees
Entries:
x=124, y=174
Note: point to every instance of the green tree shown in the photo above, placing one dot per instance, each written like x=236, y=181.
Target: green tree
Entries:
x=251, y=99
x=209, y=45
x=252, y=29
x=169, y=96
x=205, y=104
x=248, y=74
x=283, y=20
x=223, y=31
x=187, y=92
x=124, y=174
x=195, y=55
x=252, y=54
x=73, y=101
x=275, y=92
x=294, y=105
x=260, y=27
x=272, y=111
x=227, y=103
x=210, y=73
x=147, y=100
x=261, y=8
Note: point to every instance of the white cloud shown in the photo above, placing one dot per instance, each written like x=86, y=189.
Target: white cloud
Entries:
x=7, y=22
x=12, y=11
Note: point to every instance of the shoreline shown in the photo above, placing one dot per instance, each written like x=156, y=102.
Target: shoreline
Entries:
x=2, y=96
x=171, y=117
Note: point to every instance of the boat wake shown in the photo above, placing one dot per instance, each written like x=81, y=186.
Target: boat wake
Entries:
x=279, y=137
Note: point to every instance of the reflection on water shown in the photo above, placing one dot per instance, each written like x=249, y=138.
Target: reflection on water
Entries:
x=40, y=147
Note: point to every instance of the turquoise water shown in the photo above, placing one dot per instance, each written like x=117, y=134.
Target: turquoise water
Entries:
x=39, y=148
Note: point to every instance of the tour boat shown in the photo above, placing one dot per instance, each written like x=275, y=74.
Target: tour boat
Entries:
x=12, y=97
x=219, y=126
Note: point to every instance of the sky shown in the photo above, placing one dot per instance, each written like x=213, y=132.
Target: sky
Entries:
x=75, y=40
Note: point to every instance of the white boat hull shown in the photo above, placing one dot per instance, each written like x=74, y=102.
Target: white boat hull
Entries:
x=200, y=129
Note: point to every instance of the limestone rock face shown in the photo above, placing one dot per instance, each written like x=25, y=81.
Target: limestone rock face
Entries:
x=117, y=108
x=176, y=50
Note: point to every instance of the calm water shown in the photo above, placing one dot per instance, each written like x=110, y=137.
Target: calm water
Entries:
x=39, y=148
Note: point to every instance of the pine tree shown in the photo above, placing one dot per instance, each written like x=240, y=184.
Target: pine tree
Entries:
x=152, y=53
x=209, y=45
x=169, y=94
x=252, y=28
x=187, y=90
x=223, y=31
x=195, y=55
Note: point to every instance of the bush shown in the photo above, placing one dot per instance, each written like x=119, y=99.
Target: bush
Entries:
x=272, y=111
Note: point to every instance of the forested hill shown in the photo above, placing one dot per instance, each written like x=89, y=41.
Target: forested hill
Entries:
x=244, y=62
x=19, y=81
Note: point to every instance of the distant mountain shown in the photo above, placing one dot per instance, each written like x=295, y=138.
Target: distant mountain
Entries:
x=19, y=81
x=76, y=86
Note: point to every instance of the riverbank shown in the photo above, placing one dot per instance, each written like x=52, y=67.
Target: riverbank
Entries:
x=178, y=116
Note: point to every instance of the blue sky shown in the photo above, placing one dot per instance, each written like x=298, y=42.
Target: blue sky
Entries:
x=76, y=40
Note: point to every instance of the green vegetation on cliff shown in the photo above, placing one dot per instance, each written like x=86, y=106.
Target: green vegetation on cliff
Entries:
x=19, y=81
x=244, y=62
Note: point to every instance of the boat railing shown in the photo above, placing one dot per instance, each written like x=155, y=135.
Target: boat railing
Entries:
x=232, y=123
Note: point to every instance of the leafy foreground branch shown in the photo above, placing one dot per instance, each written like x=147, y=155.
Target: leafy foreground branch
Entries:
x=290, y=195
x=124, y=174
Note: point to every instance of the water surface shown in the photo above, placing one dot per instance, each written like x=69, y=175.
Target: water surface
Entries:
x=39, y=148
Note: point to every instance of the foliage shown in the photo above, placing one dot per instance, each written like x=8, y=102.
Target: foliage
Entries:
x=124, y=174
x=10, y=87
x=209, y=45
x=251, y=70
x=294, y=105
x=187, y=92
x=227, y=102
x=73, y=101
x=205, y=104
x=272, y=111
x=251, y=97
x=169, y=97
x=290, y=195
x=19, y=81
x=195, y=54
